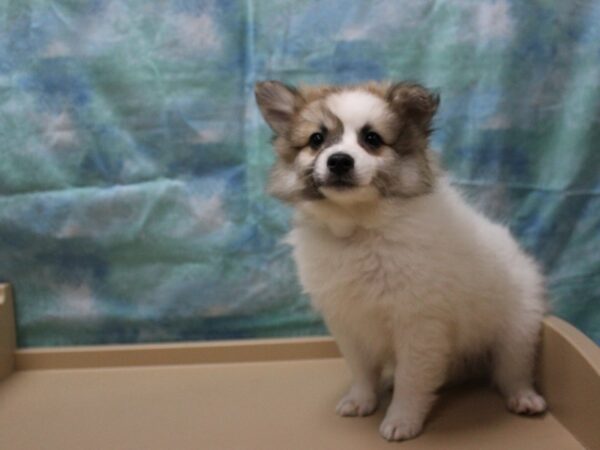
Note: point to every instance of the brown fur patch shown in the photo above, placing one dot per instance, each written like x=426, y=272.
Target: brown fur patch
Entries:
x=314, y=117
x=390, y=184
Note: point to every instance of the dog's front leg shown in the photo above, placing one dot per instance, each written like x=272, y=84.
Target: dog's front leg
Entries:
x=422, y=355
x=361, y=399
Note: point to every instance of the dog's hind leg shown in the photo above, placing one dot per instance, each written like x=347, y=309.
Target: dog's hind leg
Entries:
x=513, y=364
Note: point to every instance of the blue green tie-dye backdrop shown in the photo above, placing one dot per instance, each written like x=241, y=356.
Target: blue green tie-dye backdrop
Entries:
x=133, y=157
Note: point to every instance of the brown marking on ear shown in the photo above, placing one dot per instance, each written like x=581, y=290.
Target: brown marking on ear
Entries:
x=278, y=103
x=415, y=103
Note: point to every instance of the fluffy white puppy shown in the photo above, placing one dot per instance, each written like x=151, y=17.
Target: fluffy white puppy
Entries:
x=405, y=273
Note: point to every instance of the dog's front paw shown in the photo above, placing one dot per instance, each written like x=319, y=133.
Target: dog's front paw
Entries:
x=356, y=405
x=526, y=402
x=397, y=429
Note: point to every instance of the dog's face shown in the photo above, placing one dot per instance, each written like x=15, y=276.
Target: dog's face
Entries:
x=349, y=144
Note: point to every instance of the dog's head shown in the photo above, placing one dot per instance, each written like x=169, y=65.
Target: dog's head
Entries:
x=349, y=144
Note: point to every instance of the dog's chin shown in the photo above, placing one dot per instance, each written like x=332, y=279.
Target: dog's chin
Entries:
x=348, y=194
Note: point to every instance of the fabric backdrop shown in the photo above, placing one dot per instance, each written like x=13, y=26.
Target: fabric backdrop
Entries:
x=133, y=158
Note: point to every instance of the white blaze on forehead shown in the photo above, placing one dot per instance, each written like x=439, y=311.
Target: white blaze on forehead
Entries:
x=357, y=108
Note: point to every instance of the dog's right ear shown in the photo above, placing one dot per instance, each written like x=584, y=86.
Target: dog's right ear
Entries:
x=415, y=102
x=277, y=103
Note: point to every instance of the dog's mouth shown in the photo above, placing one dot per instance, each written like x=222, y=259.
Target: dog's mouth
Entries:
x=338, y=183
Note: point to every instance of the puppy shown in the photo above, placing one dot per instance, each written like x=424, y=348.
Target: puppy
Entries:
x=404, y=272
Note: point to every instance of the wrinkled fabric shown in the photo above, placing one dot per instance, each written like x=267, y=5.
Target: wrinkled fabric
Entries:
x=133, y=159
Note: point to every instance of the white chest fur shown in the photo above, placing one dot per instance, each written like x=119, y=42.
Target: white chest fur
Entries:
x=431, y=256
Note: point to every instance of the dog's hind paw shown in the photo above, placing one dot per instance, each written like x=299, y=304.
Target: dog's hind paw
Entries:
x=526, y=402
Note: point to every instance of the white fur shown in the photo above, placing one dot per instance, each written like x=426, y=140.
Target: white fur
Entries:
x=356, y=108
x=419, y=284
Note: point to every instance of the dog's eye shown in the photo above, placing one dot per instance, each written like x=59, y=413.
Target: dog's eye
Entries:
x=316, y=140
x=373, y=139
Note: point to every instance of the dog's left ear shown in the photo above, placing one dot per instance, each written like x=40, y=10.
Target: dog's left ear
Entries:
x=414, y=102
x=277, y=103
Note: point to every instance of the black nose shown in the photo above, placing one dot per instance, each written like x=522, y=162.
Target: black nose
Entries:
x=340, y=163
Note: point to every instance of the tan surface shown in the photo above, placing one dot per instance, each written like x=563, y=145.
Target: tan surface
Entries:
x=7, y=331
x=251, y=350
x=570, y=378
x=269, y=395
x=269, y=405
